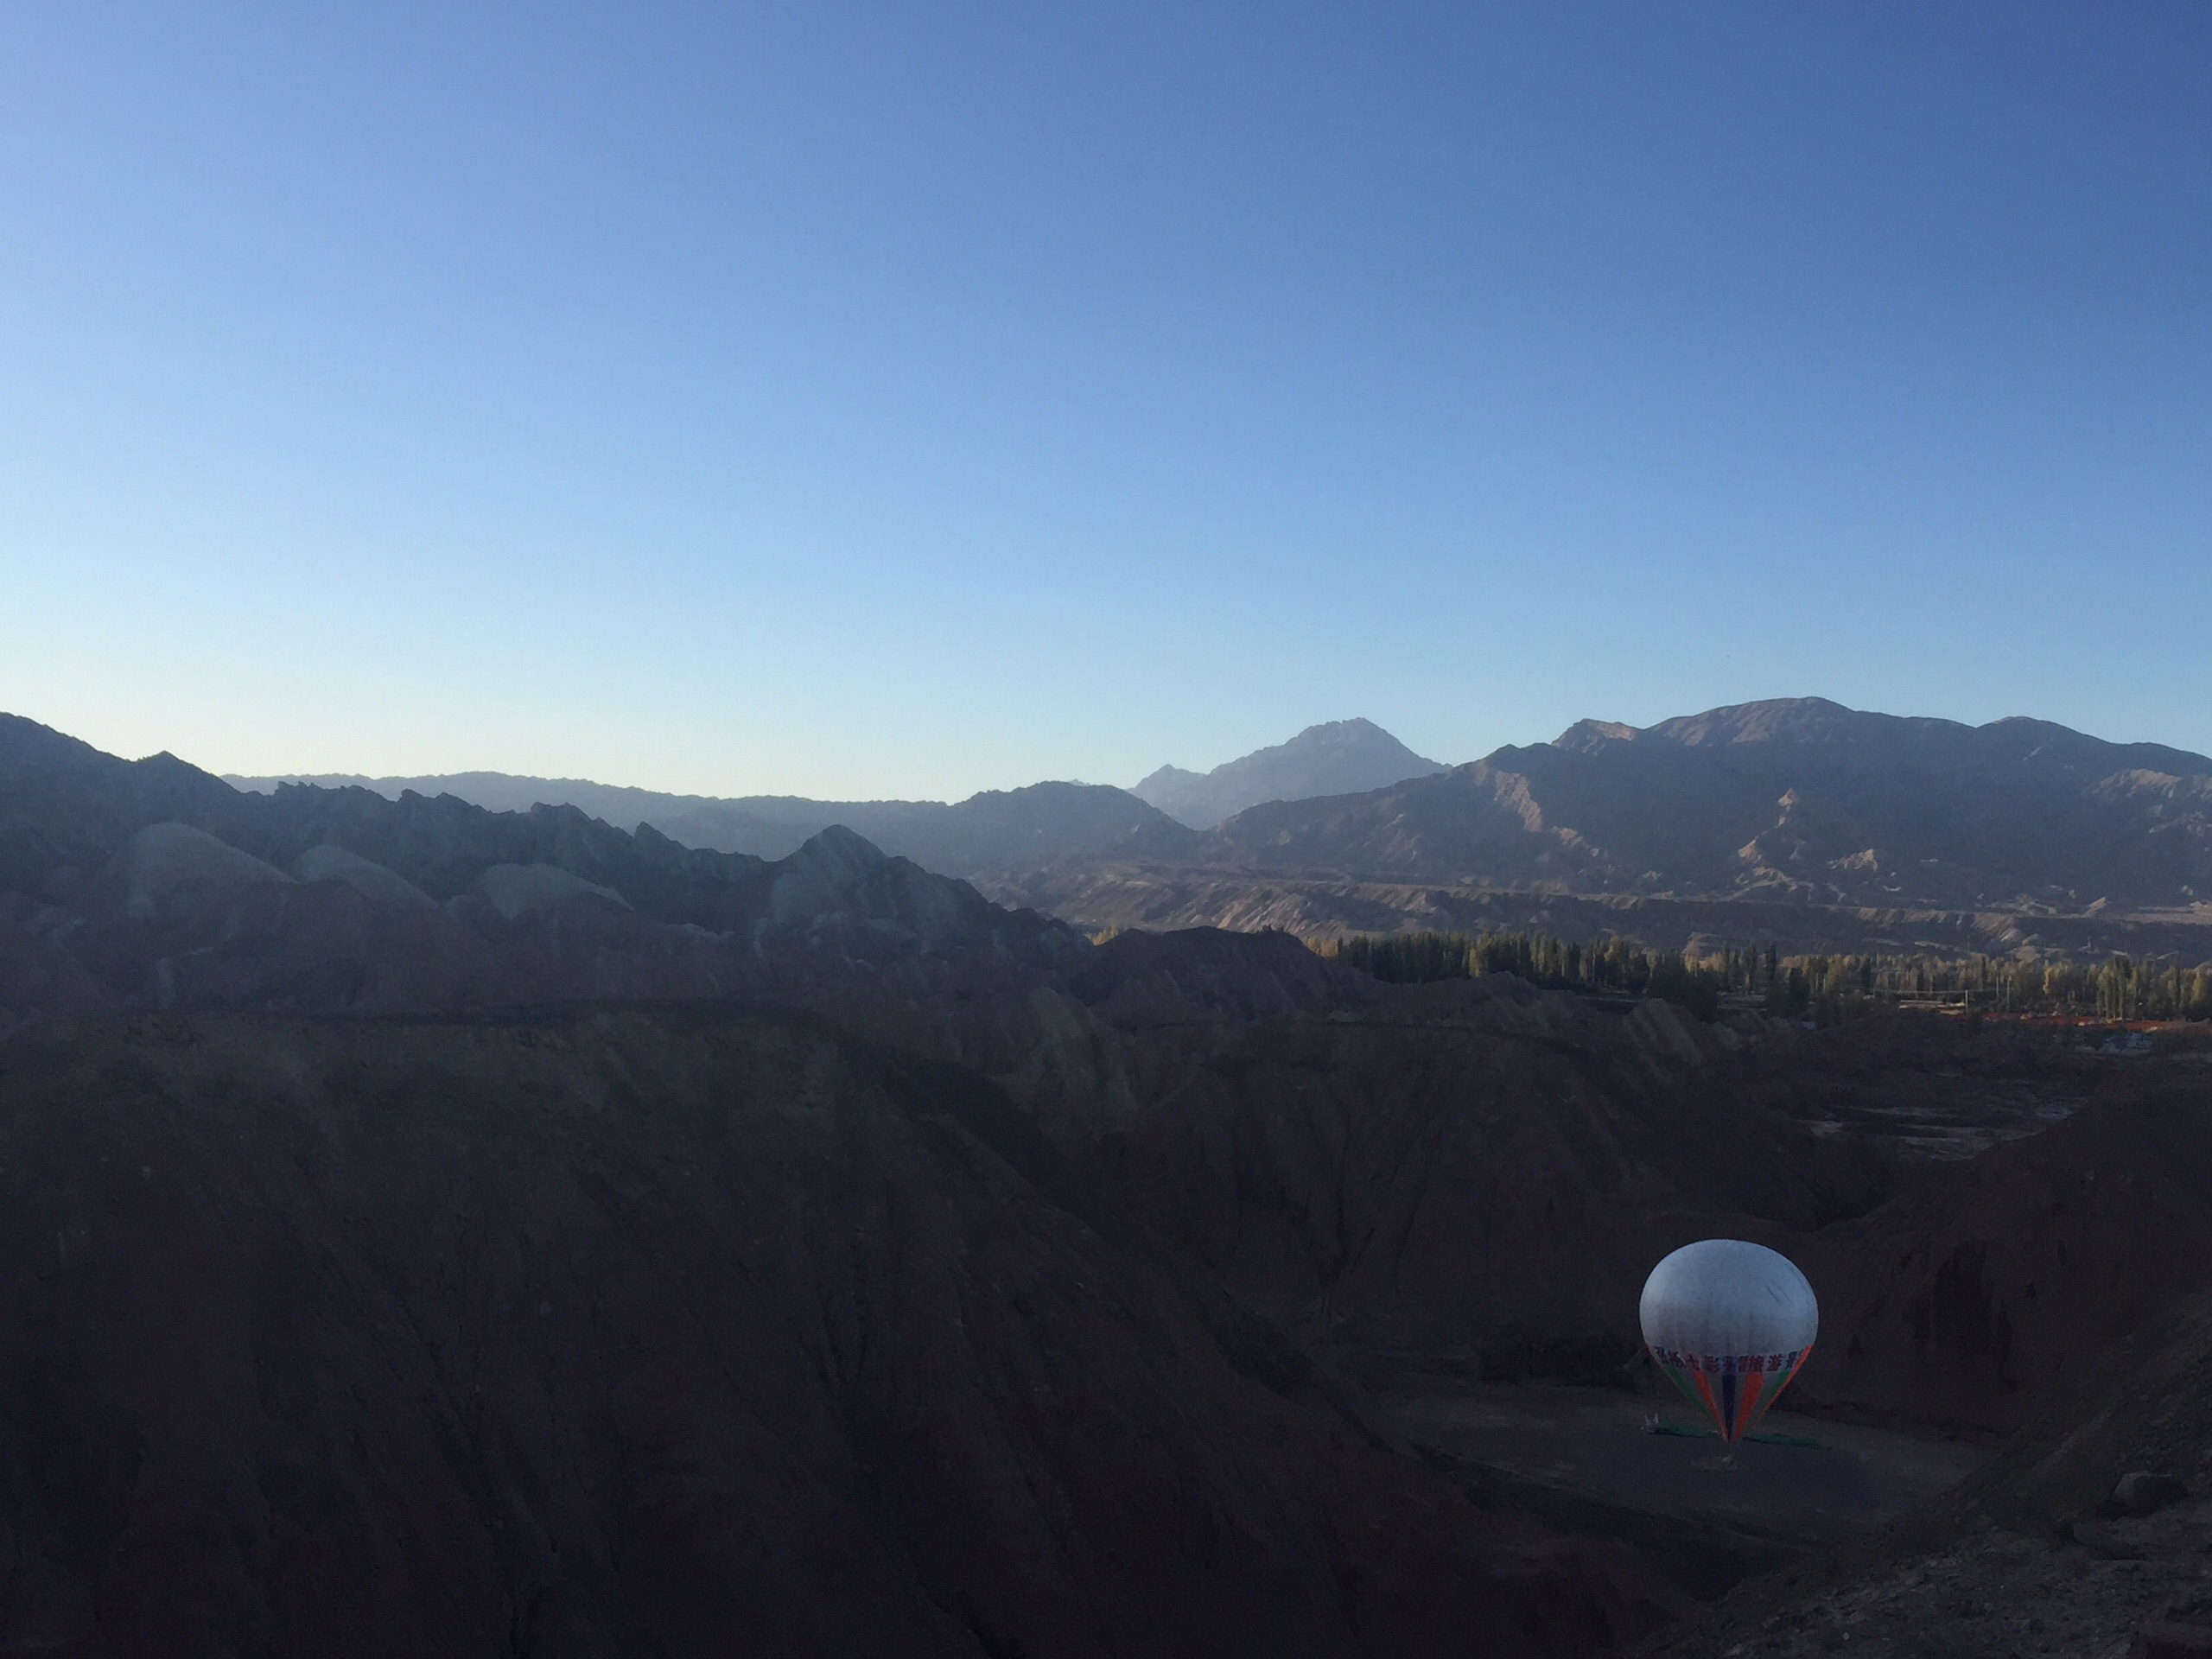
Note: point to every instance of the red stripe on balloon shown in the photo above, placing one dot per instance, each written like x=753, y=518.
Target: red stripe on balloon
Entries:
x=1747, y=1408
x=1713, y=1406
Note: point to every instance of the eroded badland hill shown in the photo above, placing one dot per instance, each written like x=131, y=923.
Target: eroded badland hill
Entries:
x=430, y=1231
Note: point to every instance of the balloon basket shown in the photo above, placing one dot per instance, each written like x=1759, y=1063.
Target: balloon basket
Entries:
x=1705, y=1432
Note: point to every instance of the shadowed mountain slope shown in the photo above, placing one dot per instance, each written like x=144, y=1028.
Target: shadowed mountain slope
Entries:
x=674, y=1333
x=1801, y=799
x=998, y=829
x=428, y=1230
x=1343, y=757
x=1798, y=822
x=1980, y=1298
x=1473, y=1175
x=74, y=822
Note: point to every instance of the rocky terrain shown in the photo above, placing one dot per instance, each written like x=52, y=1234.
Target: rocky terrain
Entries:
x=429, y=1229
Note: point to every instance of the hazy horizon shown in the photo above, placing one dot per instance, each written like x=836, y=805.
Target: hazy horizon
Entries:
x=346, y=776
x=857, y=401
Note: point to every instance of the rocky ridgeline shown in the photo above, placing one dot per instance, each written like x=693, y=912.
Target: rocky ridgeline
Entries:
x=163, y=887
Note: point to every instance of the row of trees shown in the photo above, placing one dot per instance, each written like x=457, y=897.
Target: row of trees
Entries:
x=2122, y=987
x=1608, y=965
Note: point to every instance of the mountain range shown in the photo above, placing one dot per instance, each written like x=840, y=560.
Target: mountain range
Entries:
x=998, y=829
x=1804, y=800
x=995, y=831
x=1797, y=821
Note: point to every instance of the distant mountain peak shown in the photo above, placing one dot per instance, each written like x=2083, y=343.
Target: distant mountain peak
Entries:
x=1337, y=757
x=1586, y=734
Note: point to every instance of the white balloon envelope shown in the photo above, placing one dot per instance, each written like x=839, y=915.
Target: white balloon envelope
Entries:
x=1730, y=1322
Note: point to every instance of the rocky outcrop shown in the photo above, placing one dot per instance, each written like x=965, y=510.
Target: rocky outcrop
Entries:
x=1992, y=1289
x=514, y=891
x=372, y=881
x=169, y=872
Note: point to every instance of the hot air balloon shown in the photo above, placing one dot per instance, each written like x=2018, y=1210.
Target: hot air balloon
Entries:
x=1731, y=1323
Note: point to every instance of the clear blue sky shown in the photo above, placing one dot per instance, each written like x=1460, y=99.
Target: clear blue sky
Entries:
x=905, y=399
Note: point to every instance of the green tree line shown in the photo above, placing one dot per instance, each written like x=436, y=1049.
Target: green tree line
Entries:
x=1609, y=965
x=2122, y=987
